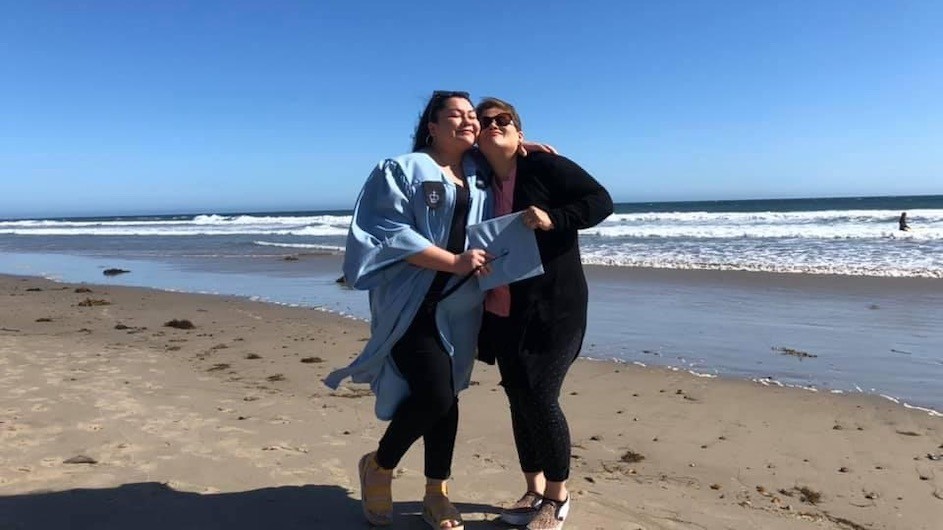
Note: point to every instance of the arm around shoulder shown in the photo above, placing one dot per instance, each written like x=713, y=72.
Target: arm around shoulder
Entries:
x=587, y=202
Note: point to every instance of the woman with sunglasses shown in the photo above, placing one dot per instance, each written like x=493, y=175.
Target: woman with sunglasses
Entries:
x=535, y=327
x=406, y=244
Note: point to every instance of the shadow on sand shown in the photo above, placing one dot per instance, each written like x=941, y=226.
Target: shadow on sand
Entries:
x=155, y=506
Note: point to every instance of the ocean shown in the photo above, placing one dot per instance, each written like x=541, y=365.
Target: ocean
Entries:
x=713, y=287
x=849, y=236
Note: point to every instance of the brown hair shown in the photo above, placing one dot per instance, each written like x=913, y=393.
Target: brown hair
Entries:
x=495, y=103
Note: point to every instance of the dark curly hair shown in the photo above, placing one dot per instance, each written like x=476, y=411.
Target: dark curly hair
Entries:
x=431, y=113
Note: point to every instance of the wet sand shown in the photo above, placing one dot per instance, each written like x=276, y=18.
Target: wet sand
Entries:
x=862, y=334
x=876, y=335
x=226, y=425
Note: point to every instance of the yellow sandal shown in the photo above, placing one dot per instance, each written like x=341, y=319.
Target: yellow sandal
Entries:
x=376, y=496
x=437, y=510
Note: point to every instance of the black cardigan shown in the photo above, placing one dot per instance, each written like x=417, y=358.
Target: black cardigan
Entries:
x=550, y=309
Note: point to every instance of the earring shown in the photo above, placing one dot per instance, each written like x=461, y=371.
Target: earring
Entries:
x=429, y=139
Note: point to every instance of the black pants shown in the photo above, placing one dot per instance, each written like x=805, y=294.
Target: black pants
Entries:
x=532, y=376
x=431, y=410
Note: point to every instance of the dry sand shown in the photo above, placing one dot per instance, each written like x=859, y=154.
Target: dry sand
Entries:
x=228, y=426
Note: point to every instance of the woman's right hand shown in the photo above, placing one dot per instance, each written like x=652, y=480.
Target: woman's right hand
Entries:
x=473, y=259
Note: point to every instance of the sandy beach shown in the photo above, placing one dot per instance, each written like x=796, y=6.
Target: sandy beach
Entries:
x=110, y=419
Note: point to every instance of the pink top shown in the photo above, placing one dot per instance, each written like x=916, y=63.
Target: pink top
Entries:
x=498, y=300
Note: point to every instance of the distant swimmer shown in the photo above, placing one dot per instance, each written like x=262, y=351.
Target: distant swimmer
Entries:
x=902, y=222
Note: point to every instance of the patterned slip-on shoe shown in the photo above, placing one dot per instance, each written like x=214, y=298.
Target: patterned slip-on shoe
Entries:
x=521, y=512
x=551, y=515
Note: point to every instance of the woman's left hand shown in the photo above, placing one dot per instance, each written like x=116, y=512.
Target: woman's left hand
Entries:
x=535, y=218
x=535, y=147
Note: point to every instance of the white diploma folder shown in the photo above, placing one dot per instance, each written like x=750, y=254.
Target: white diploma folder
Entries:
x=513, y=247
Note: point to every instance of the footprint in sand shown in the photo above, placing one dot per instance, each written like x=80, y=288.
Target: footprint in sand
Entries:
x=490, y=467
x=286, y=447
x=333, y=441
x=230, y=429
x=189, y=487
x=338, y=471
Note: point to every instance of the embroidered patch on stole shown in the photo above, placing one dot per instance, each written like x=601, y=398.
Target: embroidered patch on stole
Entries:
x=434, y=192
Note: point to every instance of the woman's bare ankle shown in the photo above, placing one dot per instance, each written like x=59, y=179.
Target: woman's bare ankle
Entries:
x=556, y=491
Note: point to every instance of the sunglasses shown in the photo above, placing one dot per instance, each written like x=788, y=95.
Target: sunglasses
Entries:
x=445, y=94
x=502, y=120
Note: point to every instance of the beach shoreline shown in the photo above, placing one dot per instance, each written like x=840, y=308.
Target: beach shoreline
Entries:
x=875, y=335
x=232, y=414
x=879, y=336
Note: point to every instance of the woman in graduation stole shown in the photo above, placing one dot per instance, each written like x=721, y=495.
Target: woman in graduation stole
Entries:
x=407, y=246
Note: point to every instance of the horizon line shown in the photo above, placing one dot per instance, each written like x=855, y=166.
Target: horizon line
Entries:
x=248, y=211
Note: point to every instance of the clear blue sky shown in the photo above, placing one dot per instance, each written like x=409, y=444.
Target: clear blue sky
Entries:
x=110, y=107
